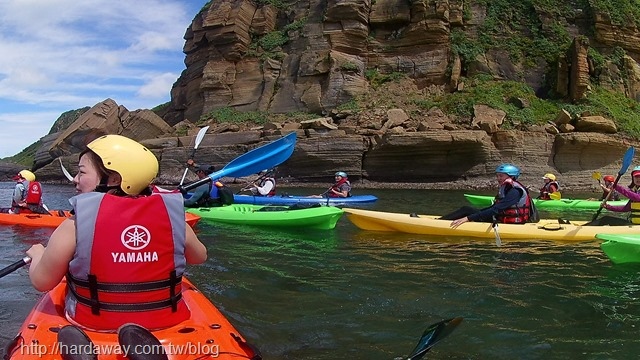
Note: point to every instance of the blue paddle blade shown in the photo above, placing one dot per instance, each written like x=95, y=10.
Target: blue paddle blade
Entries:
x=626, y=161
x=264, y=157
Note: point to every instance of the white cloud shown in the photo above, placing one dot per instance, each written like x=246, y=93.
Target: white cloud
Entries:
x=60, y=55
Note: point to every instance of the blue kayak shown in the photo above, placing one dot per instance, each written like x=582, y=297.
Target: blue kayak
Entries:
x=293, y=199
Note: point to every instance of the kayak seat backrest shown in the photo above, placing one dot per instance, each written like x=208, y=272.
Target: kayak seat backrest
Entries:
x=299, y=206
x=273, y=208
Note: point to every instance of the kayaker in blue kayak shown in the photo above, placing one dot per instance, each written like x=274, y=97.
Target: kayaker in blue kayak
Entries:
x=512, y=205
x=264, y=185
x=550, y=188
x=341, y=188
x=125, y=250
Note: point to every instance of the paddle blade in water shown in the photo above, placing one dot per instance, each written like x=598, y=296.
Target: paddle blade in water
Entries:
x=432, y=335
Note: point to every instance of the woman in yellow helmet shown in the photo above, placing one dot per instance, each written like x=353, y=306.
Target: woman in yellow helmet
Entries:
x=125, y=250
x=22, y=192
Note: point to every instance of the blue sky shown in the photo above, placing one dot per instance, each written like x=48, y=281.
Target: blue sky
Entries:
x=60, y=55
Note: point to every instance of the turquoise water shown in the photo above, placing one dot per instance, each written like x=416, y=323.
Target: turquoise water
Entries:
x=347, y=293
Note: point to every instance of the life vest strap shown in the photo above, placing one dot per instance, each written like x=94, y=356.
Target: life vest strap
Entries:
x=95, y=287
x=120, y=307
x=127, y=287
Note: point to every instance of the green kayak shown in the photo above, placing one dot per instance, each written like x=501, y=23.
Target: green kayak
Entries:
x=482, y=201
x=314, y=217
x=620, y=248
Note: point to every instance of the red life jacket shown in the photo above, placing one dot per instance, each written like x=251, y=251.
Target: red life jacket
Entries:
x=129, y=261
x=34, y=193
x=548, y=188
x=336, y=187
x=518, y=213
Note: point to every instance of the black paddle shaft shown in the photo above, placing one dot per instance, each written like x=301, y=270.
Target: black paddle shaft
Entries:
x=15, y=266
x=185, y=188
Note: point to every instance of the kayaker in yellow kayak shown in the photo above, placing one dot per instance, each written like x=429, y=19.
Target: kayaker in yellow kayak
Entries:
x=512, y=205
x=125, y=250
x=550, y=189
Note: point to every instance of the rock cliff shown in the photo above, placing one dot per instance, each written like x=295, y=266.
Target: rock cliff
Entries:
x=313, y=56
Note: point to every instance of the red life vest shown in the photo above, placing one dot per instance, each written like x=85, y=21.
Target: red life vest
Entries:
x=119, y=239
x=34, y=193
x=548, y=188
x=337, y=186
x=518, y=213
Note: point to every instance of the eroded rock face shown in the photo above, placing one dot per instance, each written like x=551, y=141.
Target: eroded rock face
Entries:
x=251, y=57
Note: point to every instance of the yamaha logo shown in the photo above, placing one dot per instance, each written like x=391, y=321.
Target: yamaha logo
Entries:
x=135, y=237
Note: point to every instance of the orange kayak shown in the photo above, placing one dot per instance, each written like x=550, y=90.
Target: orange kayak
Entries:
x=35, y=220
x=207, y=334
x=57, y=217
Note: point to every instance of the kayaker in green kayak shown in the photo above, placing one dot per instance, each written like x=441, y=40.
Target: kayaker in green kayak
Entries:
x=606, y=188
x=125, y=250
x=632, y=192
x=512, y=205
x=550, y=189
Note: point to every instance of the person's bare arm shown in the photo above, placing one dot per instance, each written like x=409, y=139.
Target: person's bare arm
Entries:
x=50, y=264
x=195, y=252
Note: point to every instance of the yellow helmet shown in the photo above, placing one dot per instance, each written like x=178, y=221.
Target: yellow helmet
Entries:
x=27, y=175
x=135, y=163
x=549, y=176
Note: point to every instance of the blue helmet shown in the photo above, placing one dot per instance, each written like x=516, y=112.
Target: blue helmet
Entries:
x=341, y=174
x=508, y=169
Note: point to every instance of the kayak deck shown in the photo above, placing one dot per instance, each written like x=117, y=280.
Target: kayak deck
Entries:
x=207, y=334
x=315, y=217
x=432, y=225
x=621, y=249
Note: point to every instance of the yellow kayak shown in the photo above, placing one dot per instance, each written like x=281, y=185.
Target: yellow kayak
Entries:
x=430, y=225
